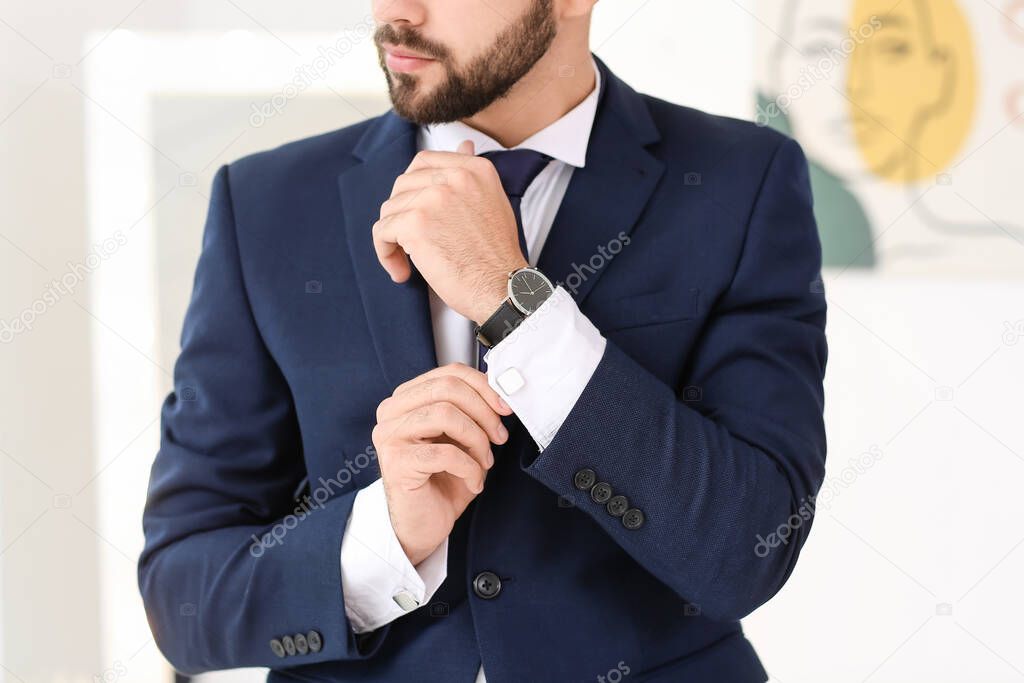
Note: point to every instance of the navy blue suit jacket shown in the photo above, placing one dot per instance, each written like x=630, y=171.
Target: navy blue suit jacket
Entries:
x=705, y=411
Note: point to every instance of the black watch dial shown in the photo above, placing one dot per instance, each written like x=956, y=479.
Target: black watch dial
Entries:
x=528, y=289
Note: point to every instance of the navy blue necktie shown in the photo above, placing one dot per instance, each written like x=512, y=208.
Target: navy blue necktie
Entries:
x=517, y=168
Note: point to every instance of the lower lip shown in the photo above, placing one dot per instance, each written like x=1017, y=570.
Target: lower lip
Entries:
x=405, y=64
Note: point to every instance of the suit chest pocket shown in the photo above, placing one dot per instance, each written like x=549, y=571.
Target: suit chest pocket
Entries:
x=652, y=308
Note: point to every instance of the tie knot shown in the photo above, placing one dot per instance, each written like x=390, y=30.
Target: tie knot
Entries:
x=517, y=168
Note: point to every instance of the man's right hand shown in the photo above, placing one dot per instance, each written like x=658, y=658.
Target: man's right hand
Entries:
x=433, y=439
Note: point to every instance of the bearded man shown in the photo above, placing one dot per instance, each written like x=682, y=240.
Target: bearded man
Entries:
x=519, y=381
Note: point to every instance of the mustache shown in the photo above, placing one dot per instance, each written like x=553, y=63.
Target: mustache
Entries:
x=411, y=39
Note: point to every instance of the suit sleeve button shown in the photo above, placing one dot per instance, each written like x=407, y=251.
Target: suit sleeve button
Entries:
x=314, y=641
x=584, y=479
x=601, y=492
x=633, y=519
x=301, y=645
x=617, y=506
x=289, y=645
x=277, y=647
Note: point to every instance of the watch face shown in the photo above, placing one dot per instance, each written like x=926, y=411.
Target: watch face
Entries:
x=528, y=289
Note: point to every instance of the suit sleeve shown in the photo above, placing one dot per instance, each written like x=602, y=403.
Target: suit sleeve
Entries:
x=231, y=562
x=712, y=469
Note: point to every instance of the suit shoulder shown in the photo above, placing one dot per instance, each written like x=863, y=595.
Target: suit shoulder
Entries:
x=714, y=136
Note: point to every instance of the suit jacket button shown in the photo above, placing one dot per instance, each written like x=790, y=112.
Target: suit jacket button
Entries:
x=633, y=519
x=314, y=641
x=289, y=645
x=617, y=506
x=487, y=585
x=301, y=646
x=584, y=479
x=601, y=493
x=277, y=647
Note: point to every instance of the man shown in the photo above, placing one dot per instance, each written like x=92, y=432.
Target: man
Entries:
x=342, y=495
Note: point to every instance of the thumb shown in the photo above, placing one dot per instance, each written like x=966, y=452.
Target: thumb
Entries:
x=466, y=147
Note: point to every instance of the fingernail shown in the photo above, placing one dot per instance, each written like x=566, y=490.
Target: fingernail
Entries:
x=502, y=433
x=503, y=405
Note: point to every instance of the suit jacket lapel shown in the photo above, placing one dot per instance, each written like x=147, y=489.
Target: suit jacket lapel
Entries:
x=606, y=197
x=398, y=315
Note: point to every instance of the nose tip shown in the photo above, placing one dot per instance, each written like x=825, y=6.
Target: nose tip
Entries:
x=399, y=12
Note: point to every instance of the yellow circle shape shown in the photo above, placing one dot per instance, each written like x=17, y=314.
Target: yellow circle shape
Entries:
x=911, y=85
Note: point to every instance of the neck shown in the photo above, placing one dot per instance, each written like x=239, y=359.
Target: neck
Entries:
x=558, y=82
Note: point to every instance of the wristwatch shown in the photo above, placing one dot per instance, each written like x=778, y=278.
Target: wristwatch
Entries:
x=528, y=288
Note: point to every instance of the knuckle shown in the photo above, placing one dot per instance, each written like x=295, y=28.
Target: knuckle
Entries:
x=447, y=410
x=382, y=410
x=444, y=388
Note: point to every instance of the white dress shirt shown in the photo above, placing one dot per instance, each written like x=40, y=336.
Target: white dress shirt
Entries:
x=540, y=370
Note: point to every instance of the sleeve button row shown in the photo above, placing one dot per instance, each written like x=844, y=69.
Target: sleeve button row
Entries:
x=287, y=646
x=601, y=493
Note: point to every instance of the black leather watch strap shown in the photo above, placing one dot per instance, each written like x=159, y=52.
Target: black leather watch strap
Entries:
x=499, y=325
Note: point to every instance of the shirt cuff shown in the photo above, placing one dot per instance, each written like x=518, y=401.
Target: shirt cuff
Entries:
x=542, y=367
x=379, y=583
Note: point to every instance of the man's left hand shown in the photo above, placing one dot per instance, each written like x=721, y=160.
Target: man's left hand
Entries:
x=449, y=214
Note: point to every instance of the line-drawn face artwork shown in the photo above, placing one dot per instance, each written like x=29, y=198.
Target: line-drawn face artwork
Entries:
x=912, y=127
x=873, y=87
x=809, y=70
x=911, y=87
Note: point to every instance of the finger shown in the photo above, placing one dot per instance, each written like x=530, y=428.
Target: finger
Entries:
x=444, y=419
x=410, y=200
x=470, y=376
x=433, y=458
x=453, y=390
x=424, y=178
x=441, y=160
x=466, y=147
x=387, y=245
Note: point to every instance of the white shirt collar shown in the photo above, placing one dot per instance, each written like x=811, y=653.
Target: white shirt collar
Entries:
x=566, y=139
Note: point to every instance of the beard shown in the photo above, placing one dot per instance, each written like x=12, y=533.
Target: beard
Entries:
x=466, y=91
